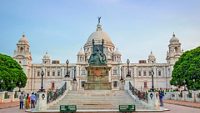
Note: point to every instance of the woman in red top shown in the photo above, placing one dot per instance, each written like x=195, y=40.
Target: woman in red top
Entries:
x=27, y=101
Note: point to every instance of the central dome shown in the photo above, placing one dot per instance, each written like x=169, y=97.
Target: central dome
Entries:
x=98, y=35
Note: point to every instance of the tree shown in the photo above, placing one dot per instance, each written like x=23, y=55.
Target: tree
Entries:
x=11, y=74
x=186, y=70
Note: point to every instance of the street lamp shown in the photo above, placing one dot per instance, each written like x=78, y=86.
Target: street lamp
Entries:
x=152, y=73
x=67, y=74
x=19, y=86
x=1, y=85
x=74, y=79
x=42, y=75
x=121, y=79
x=128, y=73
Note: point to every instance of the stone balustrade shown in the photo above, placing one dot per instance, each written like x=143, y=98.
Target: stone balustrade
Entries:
x=192, y=96
x=6, y=96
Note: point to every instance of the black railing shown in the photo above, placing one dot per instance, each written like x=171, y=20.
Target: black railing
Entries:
x=53, y=95
x=141, y=95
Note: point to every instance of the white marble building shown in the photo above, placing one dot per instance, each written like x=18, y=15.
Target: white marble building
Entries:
x=54, y=71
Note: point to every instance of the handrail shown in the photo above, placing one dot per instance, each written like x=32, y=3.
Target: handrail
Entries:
x=52, y=96
x=141, y=95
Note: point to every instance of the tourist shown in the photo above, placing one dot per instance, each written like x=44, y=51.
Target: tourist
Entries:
x=33, y=98
x=21, y=99
x=36, y=97
x=27, y=101
x=161, y=95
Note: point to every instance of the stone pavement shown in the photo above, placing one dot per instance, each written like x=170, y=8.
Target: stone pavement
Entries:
x=183, y=103
x=8, y=104
x=173, y=109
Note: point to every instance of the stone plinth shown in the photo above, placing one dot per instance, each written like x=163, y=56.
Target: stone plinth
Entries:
x=98, y=78
x=153, y=100
x=42, y=102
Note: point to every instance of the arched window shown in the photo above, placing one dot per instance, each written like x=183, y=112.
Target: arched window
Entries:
x=21, y=49
x=176, y=49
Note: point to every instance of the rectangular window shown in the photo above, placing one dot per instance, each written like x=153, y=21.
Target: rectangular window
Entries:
x=139, y=73
x=144, y=73
x=38, y=73
x=149, y=73
x=48, y=73
x=83, y=72
x=82, y=84
x=145, y=84
x=115, y=83
x=159, y=73
x=58, y=73
x=114, y=72
x=53, y=73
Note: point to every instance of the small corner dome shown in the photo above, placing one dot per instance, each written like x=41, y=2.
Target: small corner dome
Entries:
x=151, y=55
x=116, y=52
x=46, y=56
x=23, y=39
x=174, y=39
x=81, y=52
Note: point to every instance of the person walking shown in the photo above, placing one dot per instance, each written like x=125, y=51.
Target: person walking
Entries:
x=161, y=95
x=21, y=100
x=33, y=99
x=27, y=102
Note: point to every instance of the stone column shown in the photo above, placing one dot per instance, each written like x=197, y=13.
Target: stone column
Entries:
x=153, y=100
x=75, y=83
x=11, y=94
x=41, y=102
x=2, y=94
x=122, y=85
x=68, y=83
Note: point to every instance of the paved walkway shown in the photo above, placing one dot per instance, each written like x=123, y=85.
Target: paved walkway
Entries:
x=183, y=103
x=8, y=105
x=173, y=108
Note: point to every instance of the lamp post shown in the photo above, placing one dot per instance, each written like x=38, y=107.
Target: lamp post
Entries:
x=1, y=85
x=42, y=75
x=74, y=79
x=152, y=73
x=121, y=79
x=184, y=82
x=19, y=86
x=67, y=74
x=128, y=73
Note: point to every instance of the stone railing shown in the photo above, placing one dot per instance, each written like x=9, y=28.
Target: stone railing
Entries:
x=6, y=96
x=53, y=95
x=141, y=95
x=192, y=96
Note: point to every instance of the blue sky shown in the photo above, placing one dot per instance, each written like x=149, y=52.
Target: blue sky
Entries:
x=136, y=27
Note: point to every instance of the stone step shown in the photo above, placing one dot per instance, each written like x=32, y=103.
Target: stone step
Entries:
x=97, y=99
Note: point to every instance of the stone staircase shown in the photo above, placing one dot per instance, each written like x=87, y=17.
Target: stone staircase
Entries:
x=97, y=100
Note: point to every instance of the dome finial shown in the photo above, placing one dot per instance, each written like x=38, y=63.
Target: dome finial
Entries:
x=23, y=34
x=99, y=20
x=99, y=25
x=173, y=34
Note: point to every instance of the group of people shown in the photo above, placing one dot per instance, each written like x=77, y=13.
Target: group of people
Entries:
x=28, y=100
